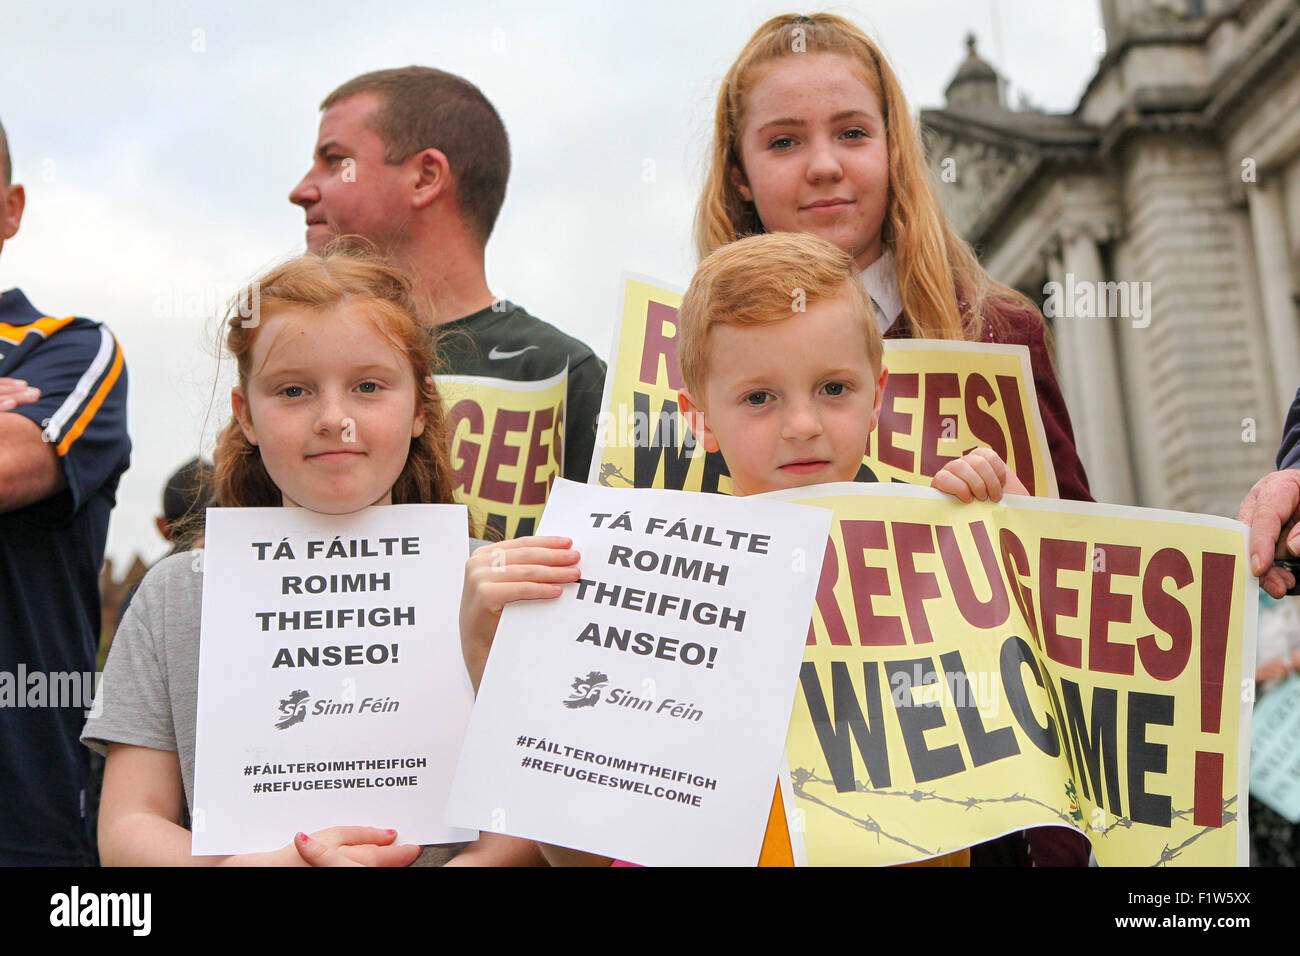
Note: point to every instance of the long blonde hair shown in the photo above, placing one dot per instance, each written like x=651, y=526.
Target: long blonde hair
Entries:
x=943, y=287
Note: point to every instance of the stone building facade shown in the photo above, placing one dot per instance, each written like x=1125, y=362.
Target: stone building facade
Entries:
x=1158, y=225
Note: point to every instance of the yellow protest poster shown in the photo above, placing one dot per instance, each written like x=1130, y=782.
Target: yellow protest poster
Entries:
x=641, y=439
x=977, y=669
x=507, y=446
x=941, y=400
x=944, y=399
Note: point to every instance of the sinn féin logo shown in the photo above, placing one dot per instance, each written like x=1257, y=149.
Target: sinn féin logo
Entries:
x=586, y=690
x=293, y=710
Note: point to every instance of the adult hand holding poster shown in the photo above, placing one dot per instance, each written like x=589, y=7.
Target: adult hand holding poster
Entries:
x=641, y=715
x=974, y=669
x=332, y=690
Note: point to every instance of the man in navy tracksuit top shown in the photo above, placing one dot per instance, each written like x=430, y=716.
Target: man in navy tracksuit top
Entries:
x=63, y=447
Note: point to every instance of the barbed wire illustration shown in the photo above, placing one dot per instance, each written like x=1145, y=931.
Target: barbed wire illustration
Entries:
x=801, y=777
x=1169, y=853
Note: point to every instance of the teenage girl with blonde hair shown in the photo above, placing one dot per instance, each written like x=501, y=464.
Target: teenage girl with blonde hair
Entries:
x=812, y=134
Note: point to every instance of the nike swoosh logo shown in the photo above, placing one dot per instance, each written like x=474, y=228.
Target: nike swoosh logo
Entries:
x=494, y=354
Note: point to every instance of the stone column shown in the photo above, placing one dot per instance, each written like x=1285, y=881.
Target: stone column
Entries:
x=1268, y=227
x=1103, y=434
x=1067, y=373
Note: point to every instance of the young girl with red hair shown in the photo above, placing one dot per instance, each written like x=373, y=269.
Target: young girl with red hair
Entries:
x=335, y=410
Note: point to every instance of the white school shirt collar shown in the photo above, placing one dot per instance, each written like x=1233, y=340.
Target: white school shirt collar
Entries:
x=881, y=281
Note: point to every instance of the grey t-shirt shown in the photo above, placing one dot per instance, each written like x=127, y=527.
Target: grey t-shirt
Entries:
x=148, y=696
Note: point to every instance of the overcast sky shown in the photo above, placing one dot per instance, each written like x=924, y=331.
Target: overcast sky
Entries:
x=158, y=143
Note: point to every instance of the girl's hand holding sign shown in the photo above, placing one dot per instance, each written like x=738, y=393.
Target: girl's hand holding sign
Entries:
x=334, y=412
x=523, y=569
x=137, y=824
x=350, y=846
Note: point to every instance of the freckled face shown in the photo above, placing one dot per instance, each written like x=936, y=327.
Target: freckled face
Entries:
x=814, y=156
x=789, y=403
x=331, y=406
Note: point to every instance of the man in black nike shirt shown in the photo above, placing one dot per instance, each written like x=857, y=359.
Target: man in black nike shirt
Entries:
x=416, y=161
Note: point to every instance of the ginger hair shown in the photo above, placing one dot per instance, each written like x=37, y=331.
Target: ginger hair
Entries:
x=374, y=292
x=767, y=278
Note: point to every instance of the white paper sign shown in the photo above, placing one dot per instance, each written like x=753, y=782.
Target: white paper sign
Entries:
x=332, y=690
x=642, y=715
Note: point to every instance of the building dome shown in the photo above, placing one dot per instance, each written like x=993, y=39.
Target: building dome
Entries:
x=976, y=82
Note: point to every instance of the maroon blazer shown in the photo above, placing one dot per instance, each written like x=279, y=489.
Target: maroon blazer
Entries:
x=1021, y=326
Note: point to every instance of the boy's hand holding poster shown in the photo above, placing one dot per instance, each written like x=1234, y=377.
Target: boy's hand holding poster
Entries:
x=507, y=446
x=332, y=690
x=975, y=669
x=941, y=400
x=642, y=714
